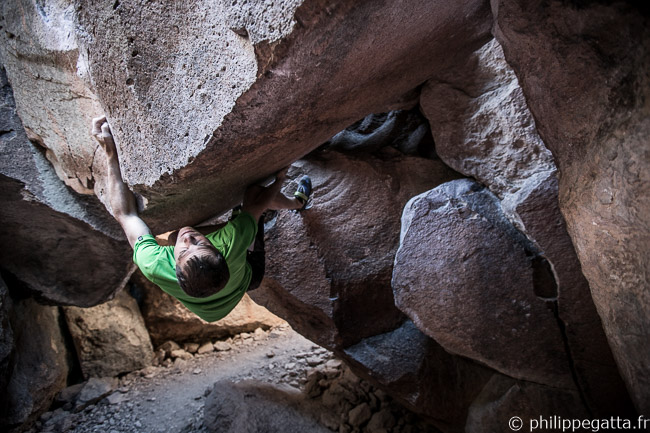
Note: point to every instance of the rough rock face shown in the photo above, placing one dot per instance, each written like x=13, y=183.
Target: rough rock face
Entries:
x=110, y=338
x=466, y=277
x=65, y=247
x=587, y=86
x=251, y=407
x=481, y=124
x=597, y=376
x=328, y=269
x=263, y=84
x=6, y=340
x=168, y=319
x=502, y=398
x=420, y=373
x=483, y=129
x=48, y=73
x=38, y=365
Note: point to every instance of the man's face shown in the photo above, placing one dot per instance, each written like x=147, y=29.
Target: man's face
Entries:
x=190, y=243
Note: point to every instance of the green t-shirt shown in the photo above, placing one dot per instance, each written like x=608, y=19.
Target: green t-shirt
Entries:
x=157, y=263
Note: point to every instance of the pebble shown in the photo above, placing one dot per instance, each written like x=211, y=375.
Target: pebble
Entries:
x=222, y=346
x=334, y=363
x=205, y=348
x=196, y=371
x=314, y=361
x=270, y=354
x=191, y=347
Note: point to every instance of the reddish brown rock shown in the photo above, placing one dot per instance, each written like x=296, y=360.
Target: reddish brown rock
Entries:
x=329, y=268
x=110, y=338
x=583, y=71
x=465, y=276
x=168, y=319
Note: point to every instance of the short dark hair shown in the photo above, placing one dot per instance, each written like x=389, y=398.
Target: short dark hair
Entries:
x=203, y=275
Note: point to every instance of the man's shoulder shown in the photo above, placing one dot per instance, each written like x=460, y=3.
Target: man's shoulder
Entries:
x=153, y=258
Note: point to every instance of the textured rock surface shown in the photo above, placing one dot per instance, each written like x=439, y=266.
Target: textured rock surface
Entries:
x=329, y=269
x=39, y=364
x=65, y=247
x=47, y=71
x=168, y=319
x=587, y=86
x=420, y=373
x=6, y=341
x=481, y=124
x=466, y=277
x=503, y=397
x=596, y=373
x=251, y=407
x=110, y=338
x=261, y=89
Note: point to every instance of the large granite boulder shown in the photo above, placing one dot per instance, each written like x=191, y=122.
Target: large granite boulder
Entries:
x=587, y=85
x=472, y=282
x=205, y=98
x=167, y=319
x=483, y=128
x=110, y=338
x=597, y=377
x=38, y=365
x=64, y=246
x=329, y=268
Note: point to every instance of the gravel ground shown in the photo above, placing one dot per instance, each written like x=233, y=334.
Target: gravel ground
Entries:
x=171, y=398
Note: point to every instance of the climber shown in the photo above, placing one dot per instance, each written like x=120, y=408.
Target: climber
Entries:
x=209, y=268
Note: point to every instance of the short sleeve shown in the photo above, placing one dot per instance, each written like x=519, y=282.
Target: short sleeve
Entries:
x=146, y=253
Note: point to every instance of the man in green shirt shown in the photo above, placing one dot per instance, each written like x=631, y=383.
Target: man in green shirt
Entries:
x=208, y=269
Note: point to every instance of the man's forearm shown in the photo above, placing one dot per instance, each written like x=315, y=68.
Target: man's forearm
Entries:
x=120, y=197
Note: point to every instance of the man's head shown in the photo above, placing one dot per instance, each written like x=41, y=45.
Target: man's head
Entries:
x=200, y=268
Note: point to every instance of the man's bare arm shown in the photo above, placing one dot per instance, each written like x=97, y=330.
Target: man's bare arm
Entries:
x=120, y=197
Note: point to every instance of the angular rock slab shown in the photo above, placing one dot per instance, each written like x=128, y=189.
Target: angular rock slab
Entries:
x=39, y=364
x=64, y=246
x=240, y=98
x=417, y=371
x=328, y=268
x=464, y=275
x=110, y=338
x=168, y=319
x=587, y=85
